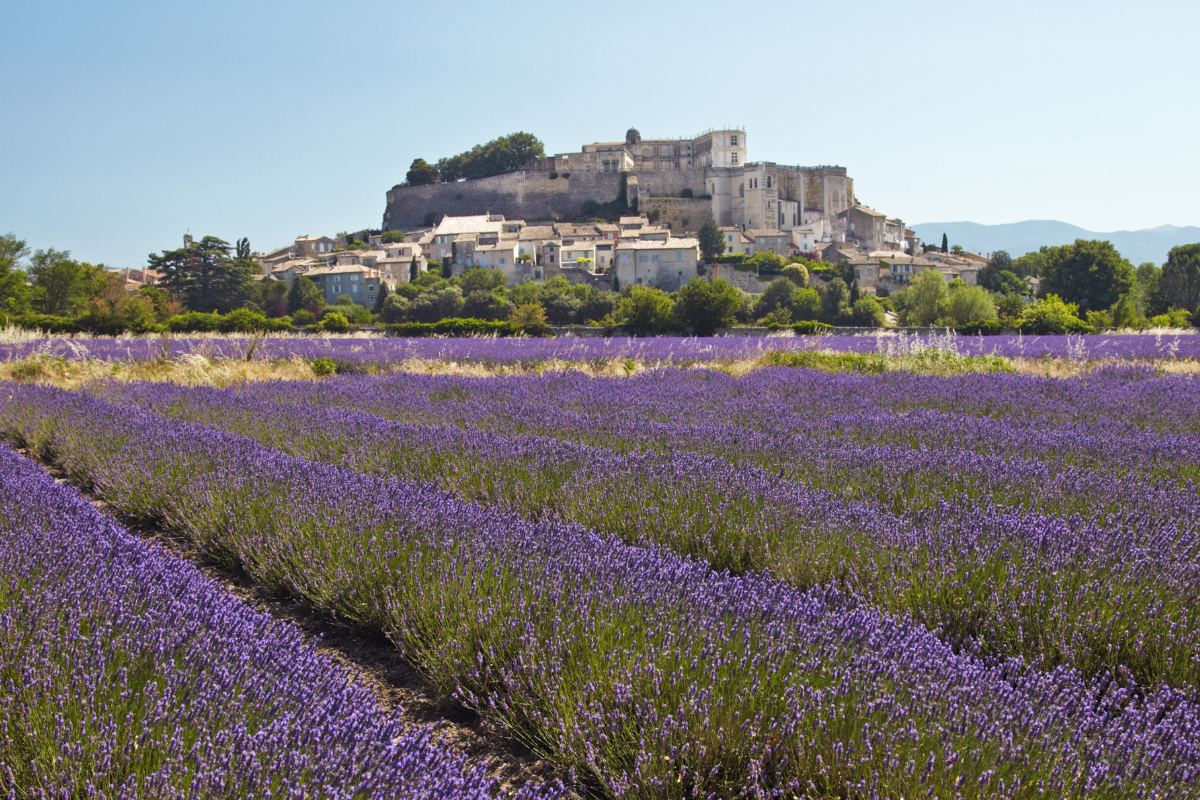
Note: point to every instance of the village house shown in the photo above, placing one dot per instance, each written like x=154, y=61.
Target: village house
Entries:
x=768, y=241
x=665, y=265
x=360, y=282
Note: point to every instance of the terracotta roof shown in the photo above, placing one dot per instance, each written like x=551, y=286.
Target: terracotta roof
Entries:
x=537, y=232
x=670, y=244
x=476, y=224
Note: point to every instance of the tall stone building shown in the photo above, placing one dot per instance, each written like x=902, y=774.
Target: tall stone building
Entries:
x=687, y=180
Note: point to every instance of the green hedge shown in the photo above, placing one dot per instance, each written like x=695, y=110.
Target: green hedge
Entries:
x=464, y=327
x=810, y=327
x=983, y=327
x=43, y=323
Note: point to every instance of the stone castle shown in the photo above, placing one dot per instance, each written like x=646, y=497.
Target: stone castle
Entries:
x=682, y=182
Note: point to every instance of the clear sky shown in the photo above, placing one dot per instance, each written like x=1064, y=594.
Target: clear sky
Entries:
x=129, y=122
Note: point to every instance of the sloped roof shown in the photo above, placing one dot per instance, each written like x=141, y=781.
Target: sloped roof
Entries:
x=459, y=225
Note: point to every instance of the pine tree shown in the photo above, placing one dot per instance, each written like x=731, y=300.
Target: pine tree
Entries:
x=303, y=294
x=854, y=293
x=380, y=297
x=945, y=244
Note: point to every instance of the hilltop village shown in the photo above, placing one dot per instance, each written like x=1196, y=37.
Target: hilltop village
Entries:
x=543, y=221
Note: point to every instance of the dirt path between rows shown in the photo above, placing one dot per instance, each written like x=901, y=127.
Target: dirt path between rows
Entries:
x=374, y=660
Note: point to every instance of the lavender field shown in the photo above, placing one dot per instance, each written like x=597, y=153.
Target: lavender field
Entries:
x=680, y=583
x=662, y=351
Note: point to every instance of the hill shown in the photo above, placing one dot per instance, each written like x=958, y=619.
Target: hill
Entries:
x=1018, y=238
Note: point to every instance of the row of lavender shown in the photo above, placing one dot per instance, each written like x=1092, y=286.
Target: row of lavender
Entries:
x=665, y=351
x=126, y=673
x=1055, y=520
x=649, y=673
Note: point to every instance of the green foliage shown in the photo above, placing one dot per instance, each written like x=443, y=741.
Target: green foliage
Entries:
x=867, y=313
x=925, y=301
x=304, y=317
x=323, y=366
x=989, y=275
x=1090, y=274
x=1147, y=290
x=304, y=294
x=945, y=244
x=421, y=173
x=106, y=323
x=335, y=323
x=395, y=309
x=765, y=263
x=796, y=273
x=13, y=296
x=479, y=279
x=703, y=306
x=466, y=327
x=685, y=193
x=1174, y=318
x=244, y=320
x=1099, y=320
x=204, y=276
x=1125, y=314
x=971, y=304
x=1180, y=282
x=381, y=297
x=835, y=301
x=501, y=155
x=866, y=363
x=529, y=315
x=60, y=284
x=1052, y=315
x=645, y=311
x=392, y=236
x=983, y=327
x=193, y=322
x=487, y=305
x=712, y=241
x=806, y=305
x=781, y=293
x=810, y=327
x=344, y=300
x=437, y=304
x=1010, y=308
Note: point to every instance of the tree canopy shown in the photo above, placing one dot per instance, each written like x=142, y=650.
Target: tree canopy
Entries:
x=204, y=276
x=421, y=173
x=712, y=241
x=1090, y=274
x=705, y=305
x=12, y=278
x=501, y=155
x=1180, y=281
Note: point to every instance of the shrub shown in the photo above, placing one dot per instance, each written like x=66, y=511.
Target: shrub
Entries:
x=193, y=322
x=686, y=193
x=304, y=317
x=42, y=322
x=982, y=327
x=810, y=327
x=323, y=366
x=466, y=327
x=103, y=324
x=335, y=323
x=1053, y=316
x=246, y=321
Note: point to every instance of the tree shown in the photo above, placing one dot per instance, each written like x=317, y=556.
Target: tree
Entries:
x=1010, y=308
x=945, y=244
x=304, y=294
x=867, y=313
x=926, y=300
x=1051, y=316
x=645, y=310
x=530, y=314
x=796, y=273
x=243, y=249
x=272, y=298
x=705, y=305
x=204, y=276
x=395, y=309
x=1125, y=314
x=479, y=279
x=1090, y=274
x=854, y=292
x=1031, y=265
x=971, y=304
x=1180, y=282
x=437, y=305
x=414, y=270
x=12, y=278
x=712, y=241
x=501, y=155
x=392, y=236
x=482, y=304
x=380, y=298
x=1147, y=290
x=779, y=294
x=806, y=305
x=335, y=323
x=421, y=173
x=834, y=300
x=989, y=276
x=60, y=284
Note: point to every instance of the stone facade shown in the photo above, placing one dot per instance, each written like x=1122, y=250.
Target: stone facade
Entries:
x=713, y=165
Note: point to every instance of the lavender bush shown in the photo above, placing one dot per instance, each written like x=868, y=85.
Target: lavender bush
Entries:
x=1055, y=520
x=125, y=673
x=647, y=671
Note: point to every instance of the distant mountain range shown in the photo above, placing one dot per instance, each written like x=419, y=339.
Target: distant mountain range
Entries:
x=1019, y=238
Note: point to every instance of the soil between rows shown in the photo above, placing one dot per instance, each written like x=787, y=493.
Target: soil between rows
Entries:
x=372, y=659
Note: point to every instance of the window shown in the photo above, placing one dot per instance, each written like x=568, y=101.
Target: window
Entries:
x=731, y=237
x=654, y=258
x=679, y=255
x=733, y=140
x=503, y=260
x=624, y=257
x=643, y=258
x=734, y=158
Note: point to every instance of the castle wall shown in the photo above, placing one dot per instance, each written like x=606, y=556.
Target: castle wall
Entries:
x=682, y=214
x=516, y=195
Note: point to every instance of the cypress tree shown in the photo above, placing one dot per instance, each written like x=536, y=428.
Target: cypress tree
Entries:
x=945, y=244
x=380, y=297
x=854, y=294
x=414, y=271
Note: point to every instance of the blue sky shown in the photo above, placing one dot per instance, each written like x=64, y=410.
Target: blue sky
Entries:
x=127, y=123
